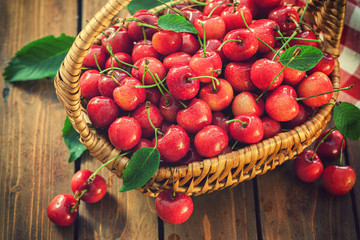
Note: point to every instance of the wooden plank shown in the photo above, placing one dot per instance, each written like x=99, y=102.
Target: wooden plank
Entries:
x=33, y=166
x=128, y=215
x=226, y=214
x=353, y=156
x=292, y=209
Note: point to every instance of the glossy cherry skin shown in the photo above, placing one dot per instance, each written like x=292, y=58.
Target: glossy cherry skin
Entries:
x=251, y=5
x=96, y=189
x=135, y=30
x=125, y=133
x=300, y=118
x=238, y=75
x=166, y=42
x=204, y=65
x=119, y=41
x=58, y=210
x=264, y=29
x=174, y=144
x=88, y=82
x=126, y=96
x=107, y=84
x=325, y=65
x=271, y=127
x=251, y=132
x=176, y=59
x=213, y=45
x=89, y=60
x=220, y=6
x=190, y=44
x=124, y=57
x=196, y=116
x=219, y=119
x=307, y=169
x=239, y=51
x=154, y=65
x=170, y=109
x=245, y=103
x=283, y=15
x=233, y=19
x=264, y=71
x=192, y=14
x=179, y=85
x=141, y=116
x=144, y=49
x=102, y=111
x=338, y=180
x=214, y=27
x=330, y=148
x=220, y=98
x=173, y=210
x=305, y=34
x=314, y=84
x=281, y=104
x=153, y=95
x=292, y=76
x=211, y=141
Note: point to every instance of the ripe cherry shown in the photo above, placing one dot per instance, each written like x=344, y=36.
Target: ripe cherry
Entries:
x=125, y=133
x=102, y=111
x=59, y=210
x=179, y=83
x=99, y=53
x=173, y=209
x=127, y=96
x=264, y=71
x=338, y=180
x=219, y=98
x=246, y=128
x=308, y=166
x=88, y=82
x=238, y=75
x=166, y=42
x=211, y=141
x=330, y=147
x=95, y=189
x=140, y=114
x=144, y=49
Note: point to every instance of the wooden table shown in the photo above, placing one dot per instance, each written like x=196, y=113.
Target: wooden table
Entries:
x=34, y=168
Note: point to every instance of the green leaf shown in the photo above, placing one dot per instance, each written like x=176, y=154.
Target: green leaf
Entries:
x=347, y=120
x=142, y=166
x=136, y=5
x=71, y=138
x=38, y=59
x=306, y=60
x=176, y=23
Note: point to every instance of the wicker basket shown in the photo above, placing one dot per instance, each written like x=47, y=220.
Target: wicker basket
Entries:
x=214, y=173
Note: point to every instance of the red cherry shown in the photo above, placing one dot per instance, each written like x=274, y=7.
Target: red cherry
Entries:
x=169, y=109
x=176, y=137
x=211, y=141
x=140, y=114
x=124, y=57
x=179, y=85
x=284, y=16
x=59, y=210
x=219, y=119
x=263, y=72
x=154, y=65
x=232, y=17
x=89, y=60
x=338, y=180
x=126, y=96
x=271, y=127
x=107, y=84
x=192, y=14
x=143, y=143
x=135, y=31
x=268, y=3
x=305, y=34
x=238, y=75
x=176, y=59
x=330, y=148
x=245, y=103
x=214, y=27
x=205, y=65
x=96, y=189
x=220, y=5
x=239, y=51
x=120, y=41
x=166, y=42
x=190, y=44
x=174, y=210
x=88, y=82
x=314, y=84
x=102, y=111
x=307, y=169
x=220, y=98
x=252, y=131
x=125, y=133
x=264, y=29
x=325, y=65
x=144, y=49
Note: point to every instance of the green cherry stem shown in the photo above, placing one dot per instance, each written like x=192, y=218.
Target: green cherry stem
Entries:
x=200, y=3
x=234, y=145
x=341, y=151
x=150, y=86
x=296, y=53
x=229, y=40
x=282, y=37
x=213, y=79
x=97, y=63
x=157, y=83
x=92, y=176
x=322, y=140
x=303, y=13
x=282, y=47
x=301, y=39
x=118, y=60
x=142, y=24
x=204, y=39
x=335, y=90
x=116, y=68
x=147, y=108
x=244, y=124
x=78, y=200
x=212, y=11
x=167, y=90
x=247, y=26
x=174, y=9
x=166, y=6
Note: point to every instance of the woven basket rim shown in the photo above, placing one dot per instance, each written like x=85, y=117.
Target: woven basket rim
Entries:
x=193, y=175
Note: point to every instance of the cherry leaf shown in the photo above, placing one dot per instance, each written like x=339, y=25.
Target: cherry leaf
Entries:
x=71, y=139
x=38, y=59
x=142, y=166
x=176, y=23
x=305, y=60
x=347, y=120
x=136, y=5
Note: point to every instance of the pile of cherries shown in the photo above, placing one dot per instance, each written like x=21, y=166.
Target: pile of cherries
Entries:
x=205, y=94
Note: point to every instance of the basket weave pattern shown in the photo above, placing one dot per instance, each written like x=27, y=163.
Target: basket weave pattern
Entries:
x=214, y=173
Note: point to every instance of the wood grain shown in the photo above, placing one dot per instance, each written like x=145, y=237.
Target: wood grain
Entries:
x=291, y=209
x=226, y=214
x=33, y=167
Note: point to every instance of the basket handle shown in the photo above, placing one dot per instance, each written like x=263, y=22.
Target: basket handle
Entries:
x=328, y=16
x=67, y=79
